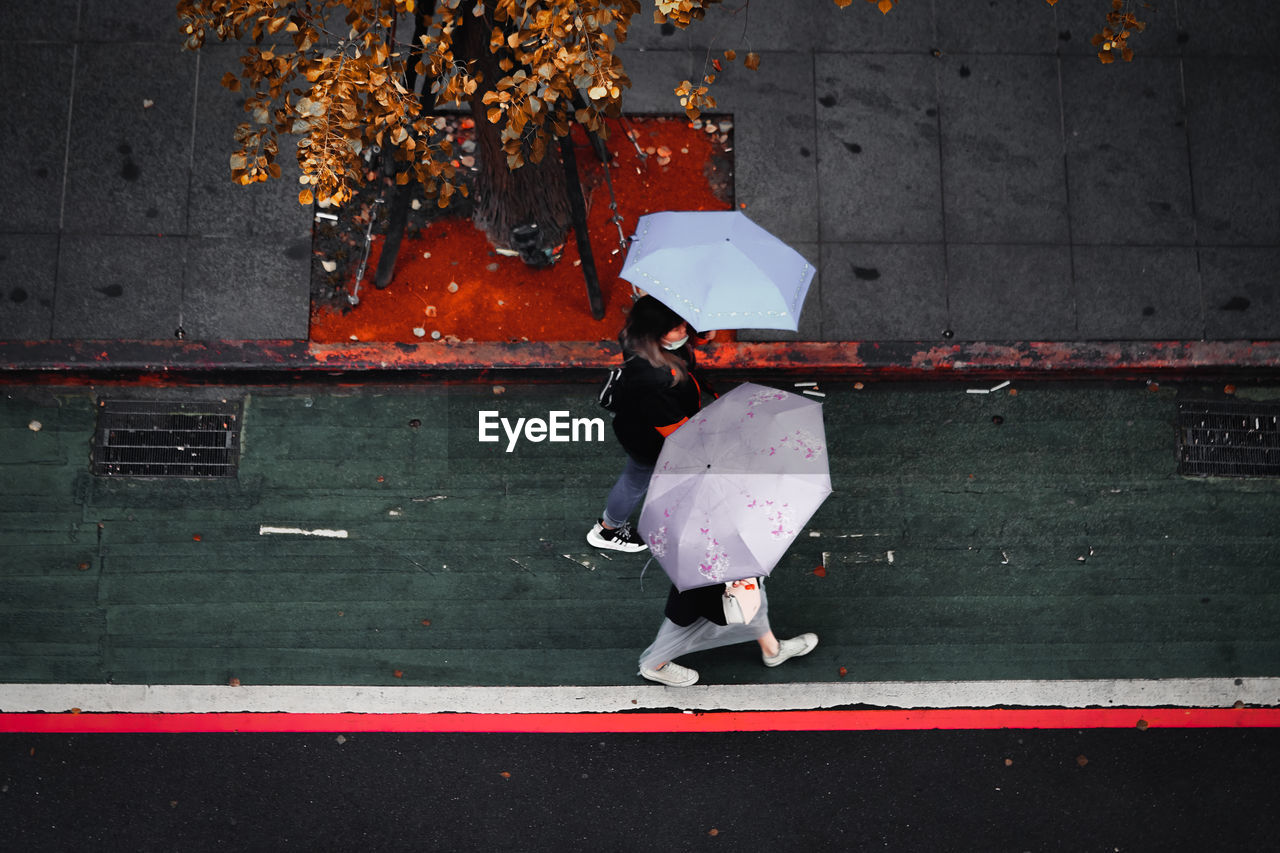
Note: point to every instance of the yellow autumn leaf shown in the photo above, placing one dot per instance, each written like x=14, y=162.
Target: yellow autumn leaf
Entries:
x=305, y=197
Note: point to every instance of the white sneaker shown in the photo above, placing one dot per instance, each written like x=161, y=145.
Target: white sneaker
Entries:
x=793, y=648
x=615, y=538
x=671, y=674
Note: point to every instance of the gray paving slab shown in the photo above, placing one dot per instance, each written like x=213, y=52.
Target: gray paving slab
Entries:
x=118, y=287
x=1234, y=128
x=1003, y=176
x=1151, y=293
x=134, y=21
x=878, y=159
x=129, y=163
x=28, y=265
x=1239, y=28
x=995, y=26
x=790, y=25
x=1127, y=162
x=217, y=206
x=1010, y=292
x=56, y=22
x=34, y=134
x=247, y=289
x=773, y=126
x=884, y=291
x=1241, y=293
x=1163, y=37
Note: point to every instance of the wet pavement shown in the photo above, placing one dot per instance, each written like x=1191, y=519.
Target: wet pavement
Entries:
x=958, y=182
x=372, y=537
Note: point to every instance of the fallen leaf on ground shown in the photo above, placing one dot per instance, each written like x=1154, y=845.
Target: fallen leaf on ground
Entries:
x=1081, y=760
x=820, y=571
x=399, y=673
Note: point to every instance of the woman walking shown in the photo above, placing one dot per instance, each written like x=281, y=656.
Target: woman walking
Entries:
x=694, y=621
x=657, y=393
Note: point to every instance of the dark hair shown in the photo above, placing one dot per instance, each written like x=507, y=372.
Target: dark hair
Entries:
x=647, y=321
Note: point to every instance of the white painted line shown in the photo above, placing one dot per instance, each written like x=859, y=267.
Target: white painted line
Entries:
x=264, y=530
x=326, y=699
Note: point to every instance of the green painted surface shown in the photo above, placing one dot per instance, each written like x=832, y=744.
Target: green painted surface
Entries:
x=1060, y=543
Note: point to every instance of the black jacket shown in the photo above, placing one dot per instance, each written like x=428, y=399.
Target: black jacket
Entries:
x=649, y=407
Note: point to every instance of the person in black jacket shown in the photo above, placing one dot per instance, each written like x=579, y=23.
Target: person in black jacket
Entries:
x=657, y=393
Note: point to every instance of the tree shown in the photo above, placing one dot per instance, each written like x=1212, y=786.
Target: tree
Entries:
x=337, y=75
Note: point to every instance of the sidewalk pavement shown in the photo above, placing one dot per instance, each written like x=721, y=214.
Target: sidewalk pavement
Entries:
x=979, y=194
x=977, y=550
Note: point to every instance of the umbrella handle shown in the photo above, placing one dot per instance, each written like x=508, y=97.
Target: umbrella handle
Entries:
x=642, y=571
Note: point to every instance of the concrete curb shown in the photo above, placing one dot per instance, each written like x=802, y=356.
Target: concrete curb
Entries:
x=74, y=359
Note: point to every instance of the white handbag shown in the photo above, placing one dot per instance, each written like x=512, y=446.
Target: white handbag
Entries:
x=741, y=601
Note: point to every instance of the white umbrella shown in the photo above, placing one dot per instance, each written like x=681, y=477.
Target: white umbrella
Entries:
x=718, y=270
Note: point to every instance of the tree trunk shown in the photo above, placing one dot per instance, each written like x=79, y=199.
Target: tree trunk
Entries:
x=403, y=193
x=577, y=206
x=525, y=210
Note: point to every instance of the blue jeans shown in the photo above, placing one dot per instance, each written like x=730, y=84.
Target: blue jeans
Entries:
x=627, y=493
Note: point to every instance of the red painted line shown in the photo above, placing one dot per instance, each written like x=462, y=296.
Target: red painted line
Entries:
x=868, y=720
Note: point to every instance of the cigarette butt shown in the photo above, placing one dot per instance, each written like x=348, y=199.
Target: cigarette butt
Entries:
x=977, y=391
x=330, y=216
x=805, y=384
x=813, y=393
x=1004, y=384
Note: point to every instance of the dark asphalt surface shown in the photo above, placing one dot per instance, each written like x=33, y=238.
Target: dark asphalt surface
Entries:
x=1096, y=790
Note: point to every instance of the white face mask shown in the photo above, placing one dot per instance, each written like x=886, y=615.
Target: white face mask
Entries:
x=675, y=345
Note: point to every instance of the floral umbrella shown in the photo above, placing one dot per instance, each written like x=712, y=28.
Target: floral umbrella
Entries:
x=734, y=485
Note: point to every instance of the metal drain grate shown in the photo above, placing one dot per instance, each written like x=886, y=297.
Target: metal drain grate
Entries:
x=1228, y=439
x=155, y=438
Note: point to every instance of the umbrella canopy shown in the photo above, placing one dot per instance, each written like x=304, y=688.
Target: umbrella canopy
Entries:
x=718, y=270
x=734, y=485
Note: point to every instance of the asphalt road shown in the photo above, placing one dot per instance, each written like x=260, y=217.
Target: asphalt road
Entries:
x=1094, y=790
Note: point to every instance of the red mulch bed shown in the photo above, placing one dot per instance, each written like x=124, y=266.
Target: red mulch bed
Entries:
x=499, y=298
